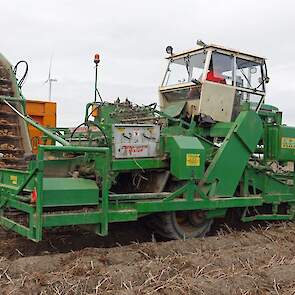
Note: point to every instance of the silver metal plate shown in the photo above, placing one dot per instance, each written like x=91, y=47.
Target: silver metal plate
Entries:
x=135, y=140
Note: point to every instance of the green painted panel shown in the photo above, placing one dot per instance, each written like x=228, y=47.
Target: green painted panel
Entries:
x=69, y=192
x=224, y=173
x=280, y=143
x=249, y=128
x=51, y=220
x=267, y=183
x=220, y=129
x=174, y=110
x=187, y=157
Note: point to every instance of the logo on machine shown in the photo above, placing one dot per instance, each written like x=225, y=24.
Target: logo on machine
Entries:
x=288, y=143
x=130, y=149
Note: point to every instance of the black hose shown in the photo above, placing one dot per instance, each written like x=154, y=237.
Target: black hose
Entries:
x=87, y=123
x=22, y=80
x=74, y=131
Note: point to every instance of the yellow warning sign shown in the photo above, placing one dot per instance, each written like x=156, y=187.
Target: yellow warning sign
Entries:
x=288, y=143
x=13, y=179
x=192, y=159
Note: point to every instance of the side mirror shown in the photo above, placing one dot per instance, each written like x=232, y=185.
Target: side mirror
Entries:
x=266, y=79
x=169, y=50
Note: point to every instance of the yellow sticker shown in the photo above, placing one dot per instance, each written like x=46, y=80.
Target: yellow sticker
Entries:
x=120, y=129
x=13, y=179
x=192, y=159
x=288, y=143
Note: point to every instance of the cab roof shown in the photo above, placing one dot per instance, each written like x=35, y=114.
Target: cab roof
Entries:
x=216, y=47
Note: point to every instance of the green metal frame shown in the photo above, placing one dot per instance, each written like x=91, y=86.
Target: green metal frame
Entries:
x=129, y=207
x=232, y=179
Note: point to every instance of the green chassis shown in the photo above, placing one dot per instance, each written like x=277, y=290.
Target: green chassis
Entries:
x=64, y=201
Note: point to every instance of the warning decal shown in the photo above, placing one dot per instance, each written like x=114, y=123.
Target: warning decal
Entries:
x=288, y=143
x=192, y=159
x=13, y=179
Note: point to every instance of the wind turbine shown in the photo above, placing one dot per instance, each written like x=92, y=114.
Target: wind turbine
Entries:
x=50, y=79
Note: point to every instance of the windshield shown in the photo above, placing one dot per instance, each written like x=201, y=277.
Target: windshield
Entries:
x=184, y=69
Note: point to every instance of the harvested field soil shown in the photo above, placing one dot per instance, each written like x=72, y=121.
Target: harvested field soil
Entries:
x=253, y=261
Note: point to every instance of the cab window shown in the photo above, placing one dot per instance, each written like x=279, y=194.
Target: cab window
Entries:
x=221, y=69
x=249, y=74
x=184, y=69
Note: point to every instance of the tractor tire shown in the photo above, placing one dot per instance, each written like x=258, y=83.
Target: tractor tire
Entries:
x=180, y=225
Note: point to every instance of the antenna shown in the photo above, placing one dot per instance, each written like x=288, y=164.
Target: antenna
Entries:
x=49, y=79
x=96, y=61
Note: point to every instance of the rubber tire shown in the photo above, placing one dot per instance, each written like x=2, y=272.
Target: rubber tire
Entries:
x=166, y=226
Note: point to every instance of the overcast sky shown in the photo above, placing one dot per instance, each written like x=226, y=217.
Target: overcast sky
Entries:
x=131, y=37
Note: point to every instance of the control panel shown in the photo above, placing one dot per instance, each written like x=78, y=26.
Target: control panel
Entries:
x=135, y=140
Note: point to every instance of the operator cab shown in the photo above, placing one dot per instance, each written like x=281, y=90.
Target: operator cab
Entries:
x=214, y=81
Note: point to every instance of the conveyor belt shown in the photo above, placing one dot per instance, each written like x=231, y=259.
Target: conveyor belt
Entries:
x=13, y=132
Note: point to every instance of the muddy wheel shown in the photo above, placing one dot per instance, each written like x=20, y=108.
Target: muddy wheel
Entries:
x=181, y=225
